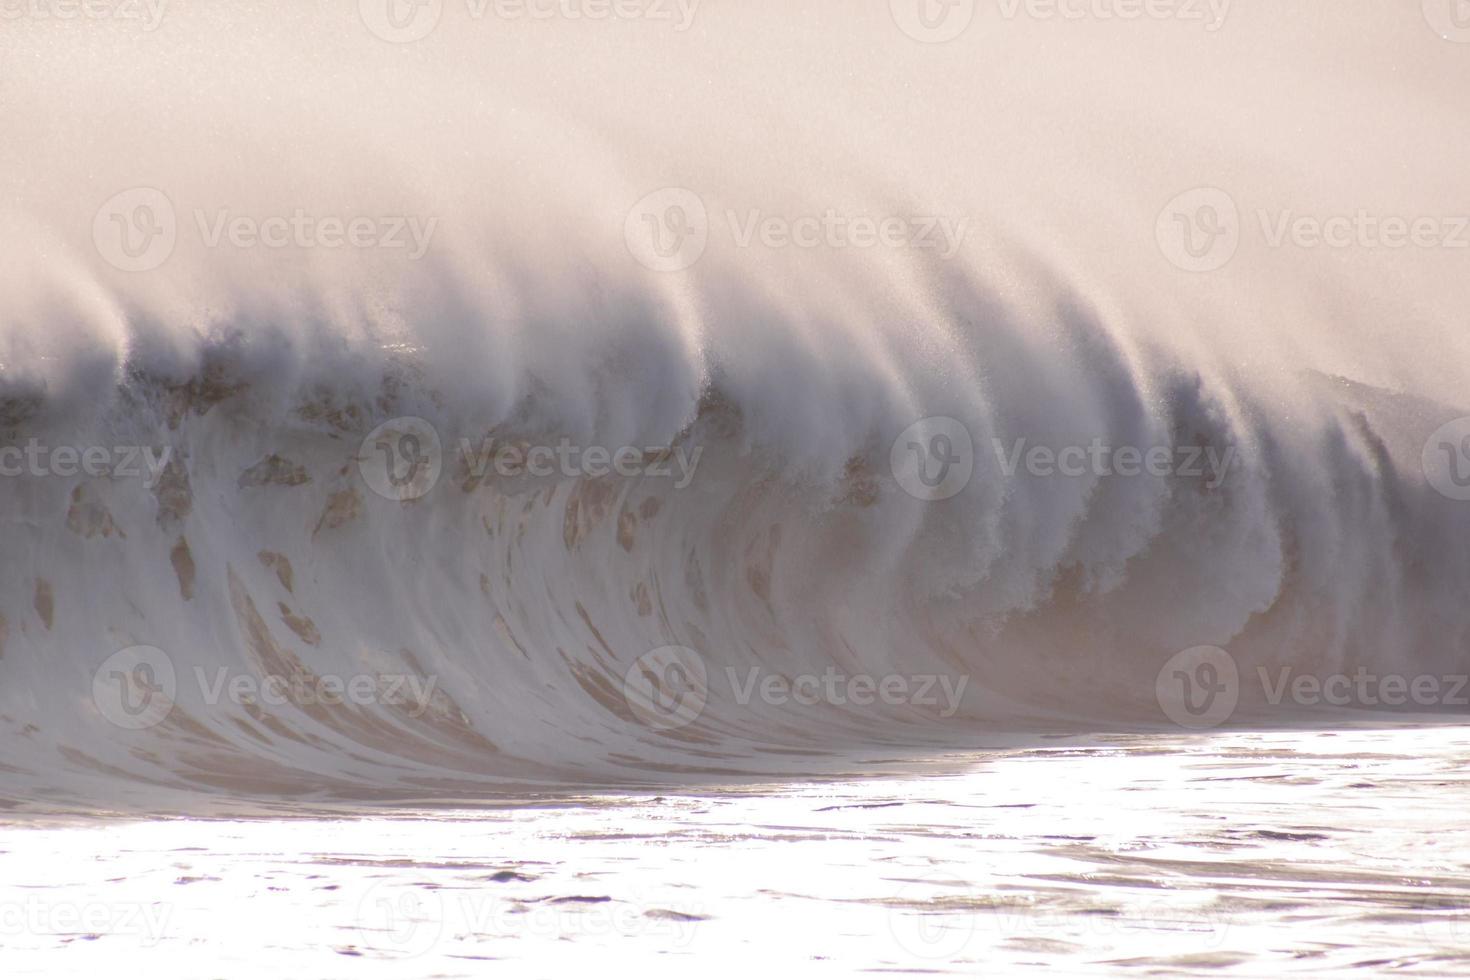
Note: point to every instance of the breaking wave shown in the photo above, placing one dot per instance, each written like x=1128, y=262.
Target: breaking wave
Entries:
x=268, y=525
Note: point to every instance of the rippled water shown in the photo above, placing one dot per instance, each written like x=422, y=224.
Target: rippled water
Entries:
x=1247, y=854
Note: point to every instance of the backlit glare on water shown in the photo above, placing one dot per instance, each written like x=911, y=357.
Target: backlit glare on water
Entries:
x=1231, y=854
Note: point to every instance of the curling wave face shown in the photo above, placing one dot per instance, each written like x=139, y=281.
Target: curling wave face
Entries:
x=562, y=400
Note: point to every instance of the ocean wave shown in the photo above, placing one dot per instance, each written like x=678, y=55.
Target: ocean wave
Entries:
x=361, y=446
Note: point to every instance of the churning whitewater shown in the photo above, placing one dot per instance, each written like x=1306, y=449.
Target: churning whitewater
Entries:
x=510, y=428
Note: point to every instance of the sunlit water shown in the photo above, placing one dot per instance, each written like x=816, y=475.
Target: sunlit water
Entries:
x=1236, y=854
